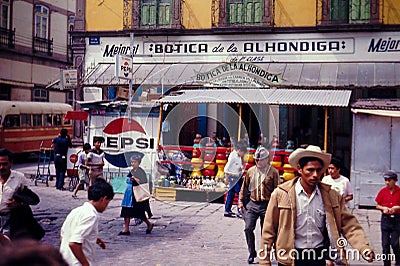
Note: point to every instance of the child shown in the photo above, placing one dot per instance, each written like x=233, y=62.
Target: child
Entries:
x=83, y=169
x=79, y=233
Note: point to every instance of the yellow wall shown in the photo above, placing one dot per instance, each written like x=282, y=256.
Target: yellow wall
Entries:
x=196, y=14
x=104, y=15
x=391, y=13
x=295, y=13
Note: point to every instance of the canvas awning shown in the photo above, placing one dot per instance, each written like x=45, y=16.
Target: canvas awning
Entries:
x=328, y=98
x=77, y=115
x=304, y=75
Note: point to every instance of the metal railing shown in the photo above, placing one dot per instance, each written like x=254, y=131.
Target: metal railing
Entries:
x=7, y=38
x=42, y=45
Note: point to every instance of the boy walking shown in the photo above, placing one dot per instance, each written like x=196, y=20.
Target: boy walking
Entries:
x=79, y=233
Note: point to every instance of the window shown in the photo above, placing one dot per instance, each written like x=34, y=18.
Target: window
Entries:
x=40, y=95
x=26, y=120
x=48, y=120
x=57, y=121
x=5, y=14
x=156, y=13
x=37, y=120
x=245, y=12
x=41, y=22
x=11, y=121
x=350, y=11
x=70, y=97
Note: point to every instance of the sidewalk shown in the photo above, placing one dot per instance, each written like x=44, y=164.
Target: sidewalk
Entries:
x=184, y=233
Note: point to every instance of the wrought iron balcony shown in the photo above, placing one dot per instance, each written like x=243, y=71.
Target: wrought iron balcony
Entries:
x=7, y=38
x=42, y=45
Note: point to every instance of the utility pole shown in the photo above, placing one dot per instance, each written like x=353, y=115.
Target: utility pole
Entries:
x=131, y=80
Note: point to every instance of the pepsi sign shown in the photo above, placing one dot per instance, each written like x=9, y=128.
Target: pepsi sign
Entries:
x=123, y=66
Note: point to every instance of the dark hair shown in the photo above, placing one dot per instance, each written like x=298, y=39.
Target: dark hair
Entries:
x=303, y=161
x=86, y=146
x=6, y=152
x=336, y=162
x=99, y=189
x=32, y=253
x=64, y=132
x=241, y=147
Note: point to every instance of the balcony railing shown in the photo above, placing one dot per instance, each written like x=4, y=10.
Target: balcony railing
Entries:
x=42, y=45
x=7, y=38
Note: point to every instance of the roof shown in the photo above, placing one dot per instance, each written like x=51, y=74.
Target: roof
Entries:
x=306, y=75
x=337, y=98
x=381, y=107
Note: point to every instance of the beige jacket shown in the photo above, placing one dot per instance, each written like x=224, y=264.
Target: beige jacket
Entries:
x=280, y=223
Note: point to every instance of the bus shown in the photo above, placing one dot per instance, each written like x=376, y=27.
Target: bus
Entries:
x=26, y=127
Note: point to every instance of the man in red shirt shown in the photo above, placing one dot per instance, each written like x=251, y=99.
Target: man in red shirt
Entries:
x=388, y=202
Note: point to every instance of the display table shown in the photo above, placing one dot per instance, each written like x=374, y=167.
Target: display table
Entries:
x=184, y=194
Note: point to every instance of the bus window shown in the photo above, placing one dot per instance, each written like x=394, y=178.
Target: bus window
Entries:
x=57, y=120
x=11, y=121
x=26, y=120
x=37, y=120
x=48, y=120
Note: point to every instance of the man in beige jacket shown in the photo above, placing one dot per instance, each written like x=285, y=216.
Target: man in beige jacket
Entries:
x=305, y=219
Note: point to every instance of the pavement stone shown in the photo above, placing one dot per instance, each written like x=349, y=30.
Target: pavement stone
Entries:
x=184, y=233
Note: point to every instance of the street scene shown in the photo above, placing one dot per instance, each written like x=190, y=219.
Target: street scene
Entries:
x=217, y=132
x=185, y=233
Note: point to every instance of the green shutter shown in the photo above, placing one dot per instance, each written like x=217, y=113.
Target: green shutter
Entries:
x=239, y=14
x=258, y=10
x=339, y=11
x=359, y=11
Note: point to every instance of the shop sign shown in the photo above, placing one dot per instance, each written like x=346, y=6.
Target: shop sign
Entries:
x=69, y=79
x=245, y=75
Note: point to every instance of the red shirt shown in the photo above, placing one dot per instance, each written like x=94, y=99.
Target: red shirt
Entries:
x=387, y=199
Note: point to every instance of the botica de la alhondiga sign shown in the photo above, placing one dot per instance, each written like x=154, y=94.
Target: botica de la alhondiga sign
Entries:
x=238, y=74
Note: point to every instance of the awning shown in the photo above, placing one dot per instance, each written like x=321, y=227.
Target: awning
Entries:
x=305, y=75
x=77, y=115
x=334, y=98
x=381, y=107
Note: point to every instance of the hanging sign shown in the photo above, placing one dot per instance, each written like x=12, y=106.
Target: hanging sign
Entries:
x=123, y=66
x=69, y=79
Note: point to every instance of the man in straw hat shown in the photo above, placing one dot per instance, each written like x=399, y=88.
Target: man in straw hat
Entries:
x=305, y=218
x=260, y=180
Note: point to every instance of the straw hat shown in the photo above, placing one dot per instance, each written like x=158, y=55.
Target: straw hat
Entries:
x=310, y=151
x=261, y=153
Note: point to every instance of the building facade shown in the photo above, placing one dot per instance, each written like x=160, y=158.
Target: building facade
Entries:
x=307, y=59
x=35, y=46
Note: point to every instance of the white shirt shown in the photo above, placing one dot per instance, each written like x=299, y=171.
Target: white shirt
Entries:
x=234, y=165
x=311, y=218
x=341, y=185
x=96, y=158
x=14, y=181
x=80, y=226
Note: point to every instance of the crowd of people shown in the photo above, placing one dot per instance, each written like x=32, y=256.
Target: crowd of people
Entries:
x=307, y=214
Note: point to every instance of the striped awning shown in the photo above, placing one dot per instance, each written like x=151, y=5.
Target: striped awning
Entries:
x=334, y=98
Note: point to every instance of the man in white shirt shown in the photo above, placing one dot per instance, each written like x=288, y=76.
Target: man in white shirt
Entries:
x=79, y=233
x=10, y=181
x=233, y=176
x=338, y=182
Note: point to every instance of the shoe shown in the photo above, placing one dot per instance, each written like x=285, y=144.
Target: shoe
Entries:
x=122, y=233
x=74, y=196
x=148, y=230
x=250, y=260
x=229, y=214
